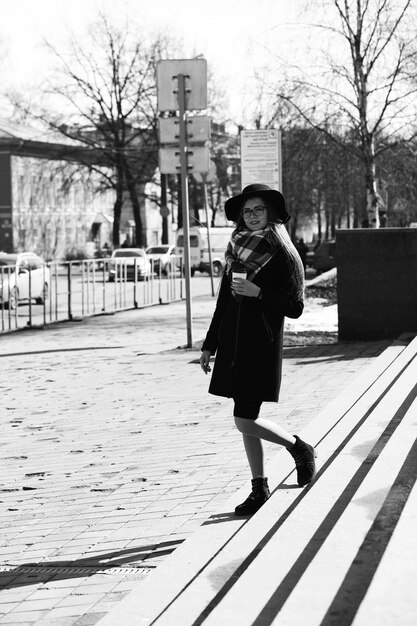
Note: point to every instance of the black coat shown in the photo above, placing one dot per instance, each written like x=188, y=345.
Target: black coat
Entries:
x=248, y=335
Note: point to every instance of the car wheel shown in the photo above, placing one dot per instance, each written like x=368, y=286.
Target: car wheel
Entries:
x=217, y=268
x=43, y=298
x=13, y=298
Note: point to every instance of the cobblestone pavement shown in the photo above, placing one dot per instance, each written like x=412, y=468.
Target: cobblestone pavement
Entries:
x=113, y=453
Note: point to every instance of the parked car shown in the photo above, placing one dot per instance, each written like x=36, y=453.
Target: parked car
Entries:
x=325, y=256
x=161, y=258
x=23, y=276
x=123, y=261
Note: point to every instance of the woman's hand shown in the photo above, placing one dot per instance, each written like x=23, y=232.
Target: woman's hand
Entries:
x=244, y=287
x=205, y=360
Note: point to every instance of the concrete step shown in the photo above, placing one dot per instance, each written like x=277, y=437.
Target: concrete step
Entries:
x=297, y=555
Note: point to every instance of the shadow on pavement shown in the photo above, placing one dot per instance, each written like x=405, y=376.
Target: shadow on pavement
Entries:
x=62, y=350
x=50, y=571
x=341, y=351
x=227, y=516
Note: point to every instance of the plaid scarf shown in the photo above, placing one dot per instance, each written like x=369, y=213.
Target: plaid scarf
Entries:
x=253, y=248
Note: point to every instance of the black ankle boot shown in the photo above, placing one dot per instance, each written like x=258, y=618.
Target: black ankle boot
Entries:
x=258, y=497
x=304, y=457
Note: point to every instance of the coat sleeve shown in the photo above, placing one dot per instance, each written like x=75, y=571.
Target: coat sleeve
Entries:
x=281, y=303
x=211, y=341
x=281, y=300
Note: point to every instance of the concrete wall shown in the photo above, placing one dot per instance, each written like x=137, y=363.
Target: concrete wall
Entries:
x=376, y=282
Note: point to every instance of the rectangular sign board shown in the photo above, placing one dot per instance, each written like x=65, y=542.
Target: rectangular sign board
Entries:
x=169, y=161
x=198, y=129
x=198, y=160
x=260, y=157
x=195, y=72
x=169, y=130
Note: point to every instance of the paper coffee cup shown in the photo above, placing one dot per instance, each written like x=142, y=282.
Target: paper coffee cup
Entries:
x=239, y=275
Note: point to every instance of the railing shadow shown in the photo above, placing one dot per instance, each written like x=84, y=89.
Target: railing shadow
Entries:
x=45, y=571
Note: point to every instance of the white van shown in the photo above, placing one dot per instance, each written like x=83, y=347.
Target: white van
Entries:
x=199, y=250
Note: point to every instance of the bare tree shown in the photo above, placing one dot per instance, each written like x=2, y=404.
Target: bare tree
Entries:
x=4, y=100
x=108, y=101
x=364, y=89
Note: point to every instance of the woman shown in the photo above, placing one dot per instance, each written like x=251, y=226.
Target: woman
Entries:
x=247, y=329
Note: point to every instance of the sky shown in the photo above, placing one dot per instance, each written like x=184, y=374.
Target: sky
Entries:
x=235, y=36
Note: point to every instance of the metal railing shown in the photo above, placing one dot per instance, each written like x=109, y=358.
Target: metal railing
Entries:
x=61, y=291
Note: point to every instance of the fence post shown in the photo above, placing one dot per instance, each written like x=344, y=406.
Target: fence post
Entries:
x=2, y=298
x=93, y=262
x=69, y=285
x=104, y=285
x=29, y=323
x=44, y=292
x=135, y=286
x=56, y=292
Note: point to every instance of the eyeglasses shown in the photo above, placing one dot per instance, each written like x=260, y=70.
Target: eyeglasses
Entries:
x=256, y=212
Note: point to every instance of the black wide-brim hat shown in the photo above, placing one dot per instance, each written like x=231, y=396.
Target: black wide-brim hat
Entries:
x=234, y=205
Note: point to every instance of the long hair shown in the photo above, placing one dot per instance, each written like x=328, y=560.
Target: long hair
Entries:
x=278, y=236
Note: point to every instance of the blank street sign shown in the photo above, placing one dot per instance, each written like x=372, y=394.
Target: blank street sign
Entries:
x=197, y=128
x=198, y=160
x=195, y=72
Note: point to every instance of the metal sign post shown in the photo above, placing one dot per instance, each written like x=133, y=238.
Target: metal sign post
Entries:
x=185, y=207
x=182, y=86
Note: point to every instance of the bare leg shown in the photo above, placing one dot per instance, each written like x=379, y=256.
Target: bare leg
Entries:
x=253, y=431
x=255, y=453
x=265, y=429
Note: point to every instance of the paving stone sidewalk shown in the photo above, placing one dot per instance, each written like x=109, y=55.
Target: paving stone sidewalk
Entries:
x=113, y=453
